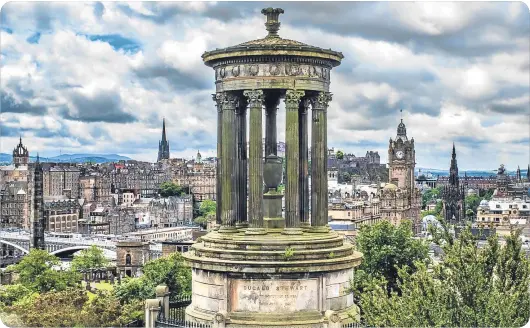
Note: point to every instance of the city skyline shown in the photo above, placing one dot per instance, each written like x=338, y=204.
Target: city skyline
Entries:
x=459, y=71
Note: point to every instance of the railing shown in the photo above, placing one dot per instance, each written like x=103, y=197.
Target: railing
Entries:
x=354, y=325
x=177, y=315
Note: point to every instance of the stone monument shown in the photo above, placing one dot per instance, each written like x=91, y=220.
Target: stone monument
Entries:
x=258, y=269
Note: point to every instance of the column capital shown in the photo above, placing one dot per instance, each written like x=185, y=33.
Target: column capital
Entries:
x=255, y=98
x=305, y=104
x=321, y=101
x=217, y=102
x=227, y=100
x=293, y=97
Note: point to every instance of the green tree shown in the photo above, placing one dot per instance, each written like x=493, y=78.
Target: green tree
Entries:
x=103, y=310
x=433, y=193
x=207, y=207
x=36, y=271
x=168, y=189
x=52, y=309
x=90, y=258
x=345, y=177
x=385, y=248
x=10, y=294
x=474, y=286
x=472, y=202
x=170, y=271
x=340, y=154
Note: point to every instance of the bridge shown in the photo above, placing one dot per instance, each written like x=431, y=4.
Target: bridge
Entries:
x=20, y=242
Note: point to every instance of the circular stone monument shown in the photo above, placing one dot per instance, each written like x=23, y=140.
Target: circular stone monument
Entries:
x=259, y=268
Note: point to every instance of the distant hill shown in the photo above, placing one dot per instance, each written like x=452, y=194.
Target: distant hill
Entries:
x=71, y=158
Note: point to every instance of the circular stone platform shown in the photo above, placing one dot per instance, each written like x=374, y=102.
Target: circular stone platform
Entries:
x=271, y=280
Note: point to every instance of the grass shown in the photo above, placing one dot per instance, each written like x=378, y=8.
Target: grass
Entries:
x=100, y=286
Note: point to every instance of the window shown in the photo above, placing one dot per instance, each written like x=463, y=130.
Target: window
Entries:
x=128, y=259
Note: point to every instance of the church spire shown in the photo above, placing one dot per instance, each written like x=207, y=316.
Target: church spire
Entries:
x=163, y=130
x=163, y=146
x=453, y=170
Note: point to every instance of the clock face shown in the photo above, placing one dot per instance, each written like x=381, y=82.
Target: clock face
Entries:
x=400, y=154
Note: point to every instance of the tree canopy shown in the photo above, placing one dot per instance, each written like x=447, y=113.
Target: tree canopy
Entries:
x=168, y=189
x=340, y=154
x=472, y=286
x=385, y=248
x=90, y=258
x=36, y=272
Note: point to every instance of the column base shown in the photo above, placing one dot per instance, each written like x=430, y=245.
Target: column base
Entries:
x=292, y=231
x=228, y=229
x=256, y=231
x=319, y=229
x=305, y=226
x=242, y=225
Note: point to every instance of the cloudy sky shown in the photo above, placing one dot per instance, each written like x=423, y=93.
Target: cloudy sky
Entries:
x=99, y=77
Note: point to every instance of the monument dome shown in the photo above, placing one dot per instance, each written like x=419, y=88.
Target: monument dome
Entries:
x=257, y=267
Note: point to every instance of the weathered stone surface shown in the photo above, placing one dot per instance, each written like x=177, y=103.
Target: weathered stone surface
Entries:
x=274, y=296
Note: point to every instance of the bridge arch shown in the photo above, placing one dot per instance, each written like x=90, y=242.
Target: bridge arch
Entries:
x=20, y=248
x=74, y=249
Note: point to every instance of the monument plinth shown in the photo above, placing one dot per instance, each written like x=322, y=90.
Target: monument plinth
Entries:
x=262, y=269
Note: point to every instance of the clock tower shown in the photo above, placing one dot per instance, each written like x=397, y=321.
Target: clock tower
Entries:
x=401, y=160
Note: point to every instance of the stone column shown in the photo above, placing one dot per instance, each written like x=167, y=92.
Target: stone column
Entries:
x=255, y=100
x=319, y=162
x=237, y=167
x=219, y=155
x=229, y=104
x=304, y=165
x=243, y=171
x=271, y=108
x=292, y=140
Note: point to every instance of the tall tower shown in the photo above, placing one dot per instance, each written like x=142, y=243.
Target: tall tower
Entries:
x=20, y=154
x=518, y=177
x=37, y=231
x=163, y=145
x=453, y=194
x=401, y=159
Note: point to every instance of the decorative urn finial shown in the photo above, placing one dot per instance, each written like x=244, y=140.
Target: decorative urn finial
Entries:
x=273, y=24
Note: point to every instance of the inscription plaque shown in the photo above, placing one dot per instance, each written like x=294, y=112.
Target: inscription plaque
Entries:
x=274, y=295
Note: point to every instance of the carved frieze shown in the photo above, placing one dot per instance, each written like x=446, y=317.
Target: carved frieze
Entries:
x=273, y=69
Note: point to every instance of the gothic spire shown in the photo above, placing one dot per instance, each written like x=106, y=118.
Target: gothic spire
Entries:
x=528, y=173
x=453, y=170
x=163, y=130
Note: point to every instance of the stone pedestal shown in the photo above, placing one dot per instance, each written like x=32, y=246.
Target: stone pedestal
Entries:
x=272, y=210
x=272, y=280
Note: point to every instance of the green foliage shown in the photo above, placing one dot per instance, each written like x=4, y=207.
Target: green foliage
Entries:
x=433, y=193
x=52, y=309
x=208, y=207
x=340, y=154
x=288, y=253
x=90, y=258
x=385, y=248
x=472, y=287
x=170, y=271
x=10, y=294
x=331, y=255
x=102, y=310
x=171, y=189
x=36, y=272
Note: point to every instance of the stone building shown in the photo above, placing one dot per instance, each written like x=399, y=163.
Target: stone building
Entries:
x=401, y=199
x=62, y=215
x=20, y=155
x=61, y=179
x=163, y=145
x=503, y=213
x=199, y=177
x=96, y=187
x=130, y=257
x=14, y=203
x=453, y=195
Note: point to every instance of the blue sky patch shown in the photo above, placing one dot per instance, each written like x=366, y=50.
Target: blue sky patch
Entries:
x=117, y=42
x=6, y=29
x=34, y=38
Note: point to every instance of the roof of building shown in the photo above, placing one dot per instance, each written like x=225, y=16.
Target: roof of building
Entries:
x=272, y=45
x=390, y=186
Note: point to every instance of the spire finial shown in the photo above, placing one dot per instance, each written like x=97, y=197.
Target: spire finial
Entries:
x=273, y=24
x=401, y=113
